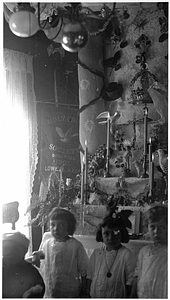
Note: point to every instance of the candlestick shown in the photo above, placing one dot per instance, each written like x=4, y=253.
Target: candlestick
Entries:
x=150, y=159
x=82, y=193
x=107, y=148
x=86, y=170
x=145, y=125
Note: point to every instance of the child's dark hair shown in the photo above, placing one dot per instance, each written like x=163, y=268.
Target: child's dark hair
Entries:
x=63, y=214
x=157, y=212
x=111, y=222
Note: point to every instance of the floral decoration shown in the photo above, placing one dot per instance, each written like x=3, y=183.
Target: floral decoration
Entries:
x=58, y=194
x=85, y=84
x=96, y=162
x=89, y=125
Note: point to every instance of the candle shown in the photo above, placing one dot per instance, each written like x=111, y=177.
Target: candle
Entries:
x=145, y=129
x=85, y=160
x=150, y=159
x=107, y=145
x=82, y=181
x=151, y=177
x=150, y=150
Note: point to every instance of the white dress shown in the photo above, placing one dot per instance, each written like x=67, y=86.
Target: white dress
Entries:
x=121, y=265
x=152, y=273
x=62, y=268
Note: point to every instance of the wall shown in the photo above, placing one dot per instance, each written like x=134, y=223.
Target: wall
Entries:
x=156, y=61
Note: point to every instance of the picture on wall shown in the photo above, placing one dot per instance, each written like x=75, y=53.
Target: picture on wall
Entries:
x=134, y=218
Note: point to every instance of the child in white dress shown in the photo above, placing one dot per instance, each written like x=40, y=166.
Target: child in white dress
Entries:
x=64, y=266
x=151, y=273
x=111, y=267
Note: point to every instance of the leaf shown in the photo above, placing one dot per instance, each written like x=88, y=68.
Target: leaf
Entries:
x=123, y=44
x=118, y=67
x=163, y=37
x=112, y=61
x=36, y=201
x=69, y=8
x=117, y=31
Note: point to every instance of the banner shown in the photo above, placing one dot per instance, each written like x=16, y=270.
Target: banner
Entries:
x=59, y=141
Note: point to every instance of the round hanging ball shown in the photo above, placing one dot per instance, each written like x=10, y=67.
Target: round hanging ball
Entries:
x=74, y=37
x=23, y=23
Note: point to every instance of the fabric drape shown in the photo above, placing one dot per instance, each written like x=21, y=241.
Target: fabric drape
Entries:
x=19, y=131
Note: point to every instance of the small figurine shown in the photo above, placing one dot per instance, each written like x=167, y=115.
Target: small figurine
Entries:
x=139, y=167
x=127, y=156
x=158, y=94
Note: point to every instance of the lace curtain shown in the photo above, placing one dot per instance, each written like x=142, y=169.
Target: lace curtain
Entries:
x=19, y=132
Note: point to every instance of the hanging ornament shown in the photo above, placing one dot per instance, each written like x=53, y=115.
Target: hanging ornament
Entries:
x=105, y=11
x=74, y=37
x=123, y=44
x=125, y=13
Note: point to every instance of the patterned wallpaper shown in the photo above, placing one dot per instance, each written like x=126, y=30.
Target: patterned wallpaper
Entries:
x=155, y=57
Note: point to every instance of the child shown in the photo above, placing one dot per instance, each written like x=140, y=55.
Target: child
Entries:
x=150, y=278
x=65, y=263
x=19, y=279
x=111, y=267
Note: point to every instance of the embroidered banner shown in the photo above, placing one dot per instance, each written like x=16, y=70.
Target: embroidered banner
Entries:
x=59, y=141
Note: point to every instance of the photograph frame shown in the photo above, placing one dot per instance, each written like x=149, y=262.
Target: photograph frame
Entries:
x=135, y=218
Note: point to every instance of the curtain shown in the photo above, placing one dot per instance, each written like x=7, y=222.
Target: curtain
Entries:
x=19, y=133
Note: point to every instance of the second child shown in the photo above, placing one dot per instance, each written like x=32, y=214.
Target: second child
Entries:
x=111, y=267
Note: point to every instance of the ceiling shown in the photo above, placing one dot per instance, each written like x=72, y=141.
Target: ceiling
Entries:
x=88, y=8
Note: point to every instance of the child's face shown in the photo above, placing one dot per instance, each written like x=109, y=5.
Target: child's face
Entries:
x=12, y=252
x=111, y=237
x=158, y=232
x=59, y=229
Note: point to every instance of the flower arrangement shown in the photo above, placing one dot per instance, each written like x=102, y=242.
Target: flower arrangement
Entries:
x=119, y=197
x=58, y=194
x=96, y=162
x=118, y=138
